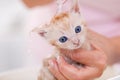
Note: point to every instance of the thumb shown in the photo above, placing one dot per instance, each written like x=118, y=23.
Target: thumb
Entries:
x=85, y=56
x=95, y=47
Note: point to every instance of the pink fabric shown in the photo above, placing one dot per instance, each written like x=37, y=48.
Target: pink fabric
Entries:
x=98, y=21
x=101, y=22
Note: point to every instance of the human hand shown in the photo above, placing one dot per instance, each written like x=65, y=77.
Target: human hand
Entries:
x=94, y=61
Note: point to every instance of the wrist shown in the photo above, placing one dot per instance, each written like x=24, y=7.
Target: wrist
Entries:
x=116, y=49
x=110, y=46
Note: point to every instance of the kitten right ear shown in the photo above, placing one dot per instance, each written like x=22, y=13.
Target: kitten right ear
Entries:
x=75, y=7
x=41, y=31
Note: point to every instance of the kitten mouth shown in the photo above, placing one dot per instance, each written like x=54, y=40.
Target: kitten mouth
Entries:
x=77, y=43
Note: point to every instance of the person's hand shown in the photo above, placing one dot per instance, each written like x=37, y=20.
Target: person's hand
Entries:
x=94, y=61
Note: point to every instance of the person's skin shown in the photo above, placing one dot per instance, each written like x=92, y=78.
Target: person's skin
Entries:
x=34, y=3
x=116, y=54
x=106, y=51
x=95, y=61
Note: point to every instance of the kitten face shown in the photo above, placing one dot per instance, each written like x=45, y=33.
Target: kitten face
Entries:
x=65, y=31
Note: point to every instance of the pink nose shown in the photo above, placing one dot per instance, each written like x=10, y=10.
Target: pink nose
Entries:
x=76, y=41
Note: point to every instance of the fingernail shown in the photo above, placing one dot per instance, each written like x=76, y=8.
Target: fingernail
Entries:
x=51, y=63
x=58, y=59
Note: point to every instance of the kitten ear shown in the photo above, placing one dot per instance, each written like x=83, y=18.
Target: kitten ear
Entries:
x=75, y=7
x=42, y=31
x=60, y=5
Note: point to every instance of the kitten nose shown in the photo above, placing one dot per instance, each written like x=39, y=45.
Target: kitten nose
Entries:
x=75, y=41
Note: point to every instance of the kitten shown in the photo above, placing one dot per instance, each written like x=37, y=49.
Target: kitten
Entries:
x=67, y=33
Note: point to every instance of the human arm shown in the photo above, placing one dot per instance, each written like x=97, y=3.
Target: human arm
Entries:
x=104, y=49
x=111, y=46
x=116, y=54
x=33, y=3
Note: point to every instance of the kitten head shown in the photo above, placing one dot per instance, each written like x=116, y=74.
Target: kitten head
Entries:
x=66, y=31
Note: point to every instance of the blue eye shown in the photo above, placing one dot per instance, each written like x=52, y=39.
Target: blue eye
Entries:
x=63, y=39
x=78, y=29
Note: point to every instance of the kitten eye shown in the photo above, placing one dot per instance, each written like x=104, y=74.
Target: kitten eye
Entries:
x=63, y=39
x=78, y=29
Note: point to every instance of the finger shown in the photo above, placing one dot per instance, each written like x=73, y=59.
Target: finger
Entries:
x=100, y=54
x=66, y=69
x=73, y=73
x=87, y=57
x=55, y=71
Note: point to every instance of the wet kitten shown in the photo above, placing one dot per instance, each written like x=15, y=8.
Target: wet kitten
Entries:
x=67, y=33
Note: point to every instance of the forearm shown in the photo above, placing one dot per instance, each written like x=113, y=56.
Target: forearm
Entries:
x=116, y=44
x=111, y=46
x=108, y=45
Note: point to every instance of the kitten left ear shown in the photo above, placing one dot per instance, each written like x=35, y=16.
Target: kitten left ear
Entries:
x=41, y=31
